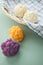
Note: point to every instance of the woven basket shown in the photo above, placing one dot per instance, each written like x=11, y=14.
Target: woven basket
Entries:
x=36, y=5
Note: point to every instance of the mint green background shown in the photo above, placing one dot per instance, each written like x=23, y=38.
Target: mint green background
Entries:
x=31, y=50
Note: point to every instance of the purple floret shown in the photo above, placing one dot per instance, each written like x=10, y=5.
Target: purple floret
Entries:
x=10, y=47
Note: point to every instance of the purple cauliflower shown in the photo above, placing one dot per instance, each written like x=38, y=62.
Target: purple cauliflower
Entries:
x=10, y=47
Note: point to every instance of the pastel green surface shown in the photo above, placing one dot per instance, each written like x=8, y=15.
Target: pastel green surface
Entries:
x=31, y=50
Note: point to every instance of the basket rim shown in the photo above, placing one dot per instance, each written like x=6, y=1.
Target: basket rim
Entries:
x=11, y=17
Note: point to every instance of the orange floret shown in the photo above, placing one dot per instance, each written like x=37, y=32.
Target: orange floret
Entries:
x=16, y=33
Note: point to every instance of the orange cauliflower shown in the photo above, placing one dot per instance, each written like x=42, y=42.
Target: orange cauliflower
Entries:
x=16, y=33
